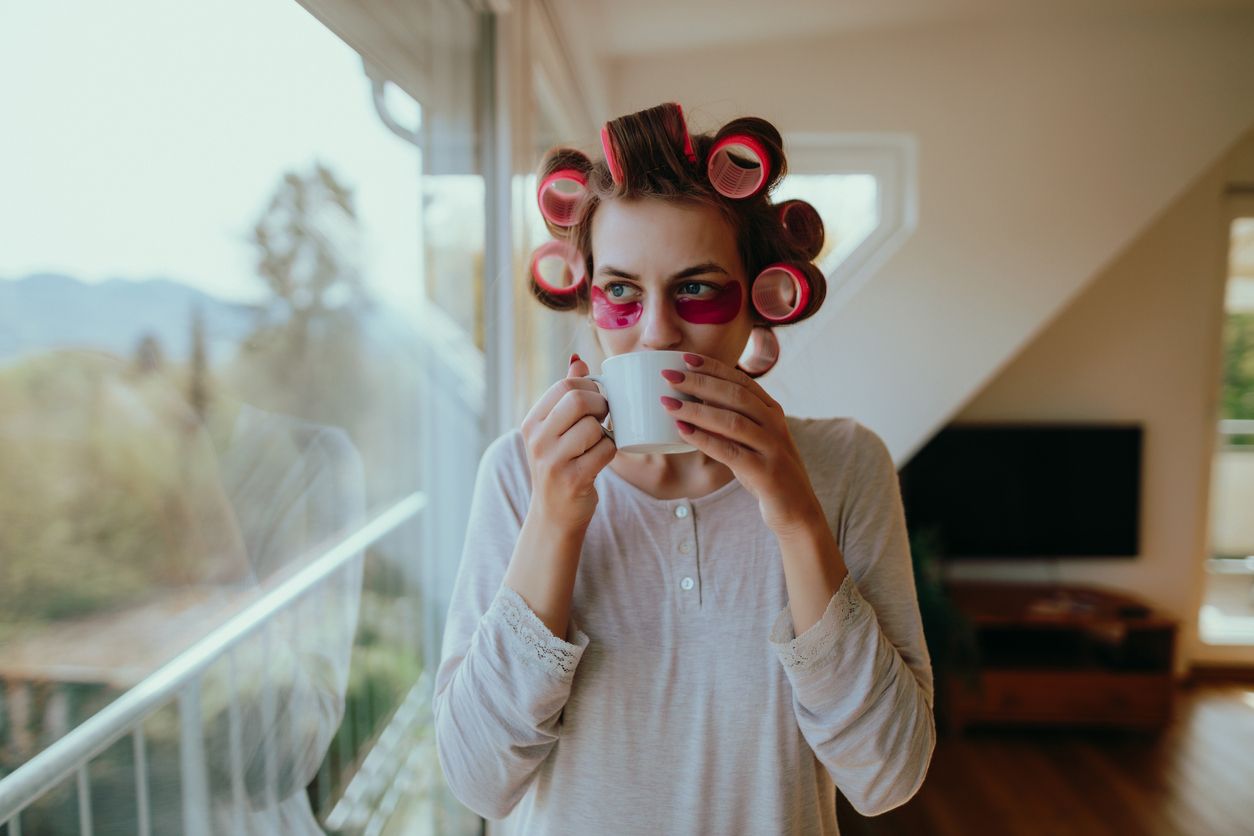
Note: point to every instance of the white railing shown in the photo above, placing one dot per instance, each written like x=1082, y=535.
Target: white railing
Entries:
x=392, y=770
x=180, y=680
x=1232, y=497
x=1236, y=426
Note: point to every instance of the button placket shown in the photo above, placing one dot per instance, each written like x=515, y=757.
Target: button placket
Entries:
x=685, y=551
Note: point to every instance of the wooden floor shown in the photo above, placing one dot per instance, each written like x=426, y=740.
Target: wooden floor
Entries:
x=1196, y=778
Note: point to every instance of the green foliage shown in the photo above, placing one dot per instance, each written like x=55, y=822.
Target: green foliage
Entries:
x=118, y=496
x=1238, y=383
x=950, y=637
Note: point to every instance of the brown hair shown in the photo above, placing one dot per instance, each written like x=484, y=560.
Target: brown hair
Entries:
x=649, y=147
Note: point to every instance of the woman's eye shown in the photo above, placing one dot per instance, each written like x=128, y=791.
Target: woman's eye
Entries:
x=617, y=291
x=695, y=288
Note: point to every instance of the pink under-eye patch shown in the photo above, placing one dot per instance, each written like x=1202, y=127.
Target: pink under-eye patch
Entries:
x=607, y=313
x=721, y=308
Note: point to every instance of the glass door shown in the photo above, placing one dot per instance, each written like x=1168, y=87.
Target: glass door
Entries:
x=1227, y=613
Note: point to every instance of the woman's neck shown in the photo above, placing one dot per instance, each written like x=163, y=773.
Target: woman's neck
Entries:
x=674, y=475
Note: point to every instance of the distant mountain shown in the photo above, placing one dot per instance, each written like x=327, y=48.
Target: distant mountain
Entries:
x=49, y=310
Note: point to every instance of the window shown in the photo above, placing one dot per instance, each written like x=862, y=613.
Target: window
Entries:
x=239, y=347
x=864, y=187
x=544, y=338
x=1227, y=615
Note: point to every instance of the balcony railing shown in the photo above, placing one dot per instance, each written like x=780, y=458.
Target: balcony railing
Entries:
x=1232, y=501
x=1230, y=427
x=180, y=681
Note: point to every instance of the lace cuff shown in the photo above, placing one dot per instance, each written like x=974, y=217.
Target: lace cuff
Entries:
x=531, y=640
x=816, y=644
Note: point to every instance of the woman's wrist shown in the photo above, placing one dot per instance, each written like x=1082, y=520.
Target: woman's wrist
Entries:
x=814, y=566
x=801, y=521
x=561, y=531
x=543, y=569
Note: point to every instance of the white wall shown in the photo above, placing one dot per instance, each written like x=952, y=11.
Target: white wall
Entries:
x=1044, y=150
x=1141, y=343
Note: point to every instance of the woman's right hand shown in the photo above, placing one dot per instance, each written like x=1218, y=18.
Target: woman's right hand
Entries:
x=566, y=449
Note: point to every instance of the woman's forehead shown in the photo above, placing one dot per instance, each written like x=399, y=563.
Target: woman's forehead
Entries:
x=652, y=233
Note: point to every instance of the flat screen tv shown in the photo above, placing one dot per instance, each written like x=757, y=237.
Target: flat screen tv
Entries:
x=1028, y=490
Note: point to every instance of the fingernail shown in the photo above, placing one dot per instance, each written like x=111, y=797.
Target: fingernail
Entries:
x=670, y=403
x=684, y=427
x=673, y=376
x=693, y=360
x=573, y=359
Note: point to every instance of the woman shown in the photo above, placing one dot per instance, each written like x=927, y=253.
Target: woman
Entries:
x=707, y=642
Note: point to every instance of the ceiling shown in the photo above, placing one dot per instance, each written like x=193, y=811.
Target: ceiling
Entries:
x=640, y=27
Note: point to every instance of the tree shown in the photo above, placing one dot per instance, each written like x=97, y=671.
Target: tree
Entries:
x=1238, y=394
x=305, y=356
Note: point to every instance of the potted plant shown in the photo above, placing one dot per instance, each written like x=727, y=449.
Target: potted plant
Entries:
x=950, y=636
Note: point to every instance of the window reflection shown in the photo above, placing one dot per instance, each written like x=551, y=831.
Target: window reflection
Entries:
x=217, y=364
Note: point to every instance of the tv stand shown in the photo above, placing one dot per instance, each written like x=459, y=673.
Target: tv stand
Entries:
x=1062, y=655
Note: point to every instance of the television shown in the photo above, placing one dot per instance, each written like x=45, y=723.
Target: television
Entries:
x=1016, y=490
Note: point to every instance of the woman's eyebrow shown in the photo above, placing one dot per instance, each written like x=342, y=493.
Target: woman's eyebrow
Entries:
x=695, y=270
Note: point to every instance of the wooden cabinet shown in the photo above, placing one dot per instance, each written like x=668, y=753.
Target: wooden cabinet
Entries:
x=1074, y=656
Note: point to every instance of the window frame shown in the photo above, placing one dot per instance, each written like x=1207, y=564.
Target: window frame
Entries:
x=892, y=159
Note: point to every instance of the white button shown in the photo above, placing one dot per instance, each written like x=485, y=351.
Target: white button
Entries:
x=684, y=547
x=686, y=584
x=681, y=511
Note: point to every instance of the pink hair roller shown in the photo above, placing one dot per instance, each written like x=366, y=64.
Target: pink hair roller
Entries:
x=804, y=226
x=735, y=178
x=570, y=265
x=611, y=159
x=560, y=196
x=781, y=292
x=760, y=354
x=689, y=151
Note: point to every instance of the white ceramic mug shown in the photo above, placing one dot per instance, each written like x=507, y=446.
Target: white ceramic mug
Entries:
x=633, y=385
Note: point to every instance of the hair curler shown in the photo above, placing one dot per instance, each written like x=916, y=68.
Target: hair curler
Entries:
x=689, y=151
x=611, y=158
x=781, y=292
x=738, y=166
x=561, y=195
x=558, y=257
x=804, y=226
x=760, y=354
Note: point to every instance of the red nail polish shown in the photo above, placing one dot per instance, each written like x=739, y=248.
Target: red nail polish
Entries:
x=684, y=427
x=673, y=376
x=573, y=359
x=671, y=403
x=693, y=360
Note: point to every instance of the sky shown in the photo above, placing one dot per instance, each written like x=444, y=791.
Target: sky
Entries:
x=143, y=139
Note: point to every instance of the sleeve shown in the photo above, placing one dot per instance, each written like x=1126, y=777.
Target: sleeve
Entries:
x=292, y=676
x=861, y=677
x=504, y=678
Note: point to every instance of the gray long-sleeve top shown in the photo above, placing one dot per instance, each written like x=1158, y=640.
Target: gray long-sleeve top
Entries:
x=684, y=702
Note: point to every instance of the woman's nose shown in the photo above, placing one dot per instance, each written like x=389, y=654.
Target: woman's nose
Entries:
x=661, y=325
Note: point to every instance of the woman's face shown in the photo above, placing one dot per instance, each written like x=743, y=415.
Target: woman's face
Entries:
x=667, y=277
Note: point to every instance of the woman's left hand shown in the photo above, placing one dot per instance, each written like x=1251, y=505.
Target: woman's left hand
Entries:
x=738, y=424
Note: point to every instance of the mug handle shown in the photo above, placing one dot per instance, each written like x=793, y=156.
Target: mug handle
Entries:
x=599, y=380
